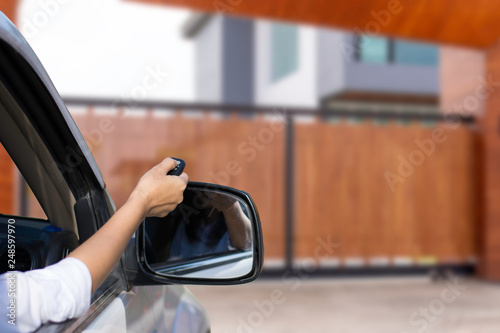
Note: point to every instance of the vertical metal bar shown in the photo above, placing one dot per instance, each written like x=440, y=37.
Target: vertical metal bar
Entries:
x=357, y=47
x=289, y=191
x=391, y=51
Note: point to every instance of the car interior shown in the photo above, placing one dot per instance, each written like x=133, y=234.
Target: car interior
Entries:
x=39, y=242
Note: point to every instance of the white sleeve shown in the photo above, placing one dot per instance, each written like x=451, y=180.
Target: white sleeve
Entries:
x=54, y=293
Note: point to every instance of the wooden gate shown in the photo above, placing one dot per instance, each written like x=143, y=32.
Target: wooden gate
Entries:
x=391, y=193
x=342, y=192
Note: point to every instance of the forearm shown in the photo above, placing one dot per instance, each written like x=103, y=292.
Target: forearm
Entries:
x=103, y=250
x=156, y=194
x=238, y=227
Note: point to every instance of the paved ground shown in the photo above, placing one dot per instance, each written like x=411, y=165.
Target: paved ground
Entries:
x=402, y=305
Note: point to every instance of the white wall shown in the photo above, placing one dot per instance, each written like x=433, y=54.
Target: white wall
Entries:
x=298, y=88
x=331, y=62
x=208, y=55
x=106, y=48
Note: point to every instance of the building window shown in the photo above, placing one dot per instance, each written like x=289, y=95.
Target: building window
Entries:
x=378, y=50
x=374, y=50
x=284, y=50
x=415, y=53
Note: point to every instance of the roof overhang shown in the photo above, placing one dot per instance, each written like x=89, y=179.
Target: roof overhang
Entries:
x=459, y=22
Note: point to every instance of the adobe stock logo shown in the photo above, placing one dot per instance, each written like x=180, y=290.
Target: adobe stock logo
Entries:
x=425, y=148
x=417, y=157
x=291, y=280
x=225, y=6
x=422, y=319
x=251, y=147
x=41, y=18
x=372, y=28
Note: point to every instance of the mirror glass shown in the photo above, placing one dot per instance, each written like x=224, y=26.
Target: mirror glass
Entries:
x=209, y=235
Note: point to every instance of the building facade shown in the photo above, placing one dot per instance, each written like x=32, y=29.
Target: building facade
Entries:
x=244, y=61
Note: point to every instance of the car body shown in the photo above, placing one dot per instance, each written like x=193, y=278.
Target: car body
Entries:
x=41, y=137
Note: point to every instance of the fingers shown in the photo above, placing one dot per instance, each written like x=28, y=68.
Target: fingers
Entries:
x=167, y=164
x=184, y=177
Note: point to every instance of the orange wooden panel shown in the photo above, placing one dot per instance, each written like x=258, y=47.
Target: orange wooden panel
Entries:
x=403, y=217
x=6, y=183
x=425, y=196
x=9, y=8
x=436, y=21
x=342, y=194
x=332, y=229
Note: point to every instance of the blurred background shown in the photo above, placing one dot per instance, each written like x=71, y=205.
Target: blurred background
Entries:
x=366, y=133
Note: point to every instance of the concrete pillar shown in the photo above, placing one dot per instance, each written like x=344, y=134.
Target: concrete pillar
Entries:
x=459, y=71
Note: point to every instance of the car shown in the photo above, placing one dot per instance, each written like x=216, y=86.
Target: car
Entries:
x=146, y=290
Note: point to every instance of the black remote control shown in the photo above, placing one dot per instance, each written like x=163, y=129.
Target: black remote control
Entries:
x=177, y=171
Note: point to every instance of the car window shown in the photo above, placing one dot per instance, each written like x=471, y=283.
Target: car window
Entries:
x=16, y=197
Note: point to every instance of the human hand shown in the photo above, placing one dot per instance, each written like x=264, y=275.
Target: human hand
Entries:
x=158, y=194
x=221, y=202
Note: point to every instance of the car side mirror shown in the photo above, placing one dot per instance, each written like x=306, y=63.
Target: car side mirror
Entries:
x=213, y=237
